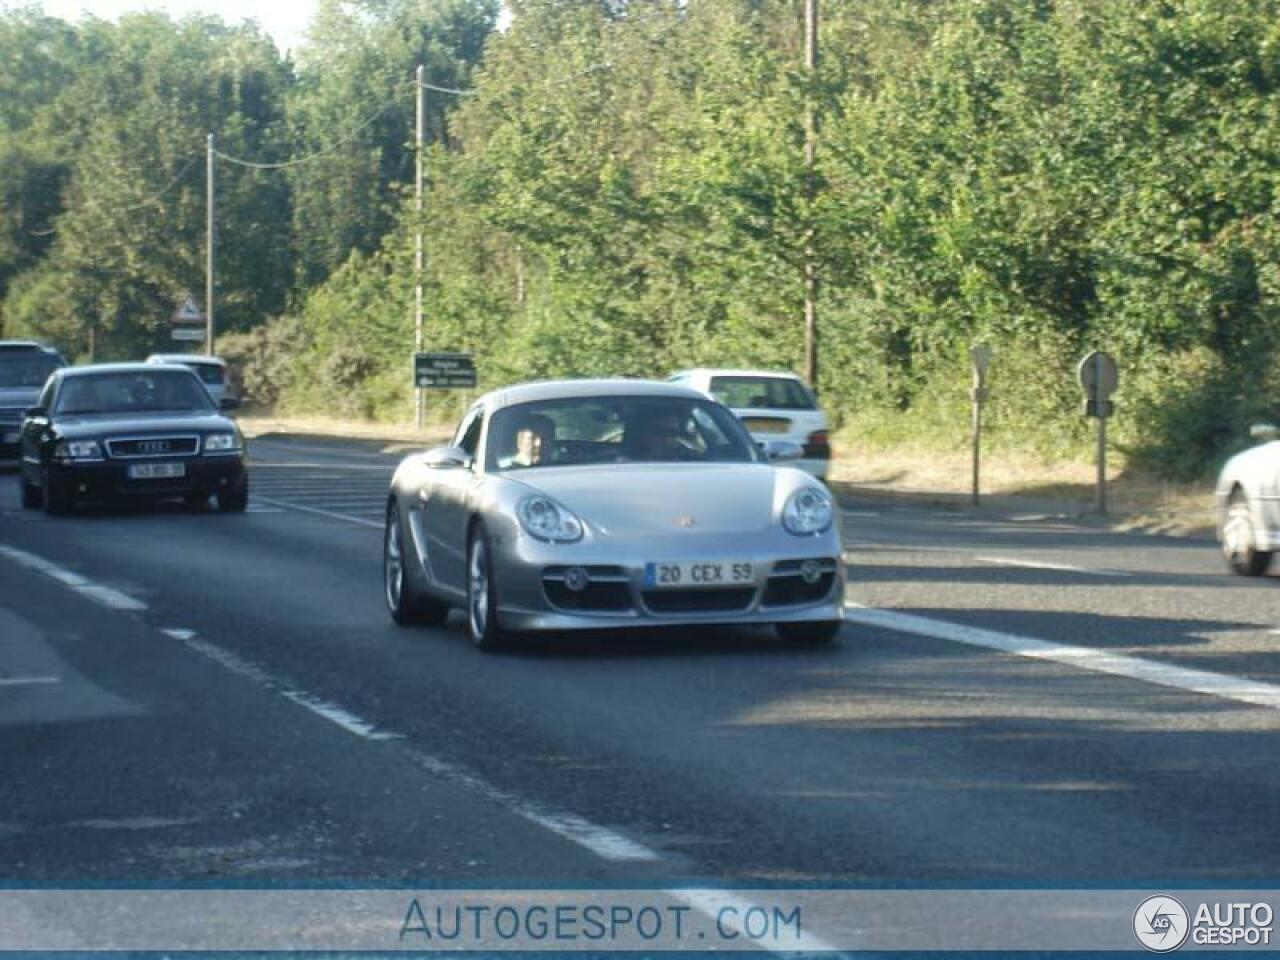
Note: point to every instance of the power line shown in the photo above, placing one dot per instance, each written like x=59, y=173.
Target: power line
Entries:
x=137, y=206
x=324, y=152
x=461, y=93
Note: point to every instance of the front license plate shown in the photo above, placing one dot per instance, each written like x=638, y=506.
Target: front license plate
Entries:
x=684, y=576
x=157, y=471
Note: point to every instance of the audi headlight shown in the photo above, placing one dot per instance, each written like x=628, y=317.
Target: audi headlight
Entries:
x=544, y=519
x=78, y=450
x=221, y=443
x=807, y=511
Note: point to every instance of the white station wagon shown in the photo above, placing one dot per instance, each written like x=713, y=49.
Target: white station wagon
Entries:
x=772, y=405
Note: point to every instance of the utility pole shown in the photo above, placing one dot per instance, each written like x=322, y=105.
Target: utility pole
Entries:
x=810, y=188
x=208, y=247
x=420, y=395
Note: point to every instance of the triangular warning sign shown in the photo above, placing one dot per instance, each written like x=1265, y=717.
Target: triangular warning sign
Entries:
x=187, y=312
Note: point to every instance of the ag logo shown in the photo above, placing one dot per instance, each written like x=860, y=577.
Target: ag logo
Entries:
x=1161, y=924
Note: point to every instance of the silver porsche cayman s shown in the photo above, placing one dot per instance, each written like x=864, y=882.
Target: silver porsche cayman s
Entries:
x=595, y=504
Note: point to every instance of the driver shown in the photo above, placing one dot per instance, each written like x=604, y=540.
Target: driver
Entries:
x=659, y=436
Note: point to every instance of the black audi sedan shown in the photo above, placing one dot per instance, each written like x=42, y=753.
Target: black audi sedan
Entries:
x=126, y=431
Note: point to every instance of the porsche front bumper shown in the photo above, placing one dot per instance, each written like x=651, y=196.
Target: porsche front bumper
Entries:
x=796, y=579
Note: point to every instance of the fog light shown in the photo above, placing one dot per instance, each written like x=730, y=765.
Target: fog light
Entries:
x=576, y=579
x=811, y=572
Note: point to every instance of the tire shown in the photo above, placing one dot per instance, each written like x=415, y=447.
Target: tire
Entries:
x=810, y=632
x=57, y=498
x=236, y=499
x=32, y=497
x=1240, y=539
x=407, y=602
x=482, y=592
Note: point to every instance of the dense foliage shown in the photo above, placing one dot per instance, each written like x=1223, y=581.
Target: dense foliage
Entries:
x=625, y=193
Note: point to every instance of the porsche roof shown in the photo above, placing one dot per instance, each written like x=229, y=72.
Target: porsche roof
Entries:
x=568, y=389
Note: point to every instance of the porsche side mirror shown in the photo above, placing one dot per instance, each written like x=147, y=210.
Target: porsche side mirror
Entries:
x=447, y=458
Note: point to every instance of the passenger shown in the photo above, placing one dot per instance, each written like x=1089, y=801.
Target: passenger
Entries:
x=532, y=442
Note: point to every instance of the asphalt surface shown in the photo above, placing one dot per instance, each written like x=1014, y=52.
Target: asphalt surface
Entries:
x=207, y=697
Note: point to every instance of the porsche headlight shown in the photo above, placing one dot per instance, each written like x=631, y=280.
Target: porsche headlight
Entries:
x=544, y=519
x=807, y=511
x=221, y=443
x=78, y=450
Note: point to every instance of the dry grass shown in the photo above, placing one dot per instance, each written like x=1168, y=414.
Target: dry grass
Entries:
x=396, y=436
x=1139, y=501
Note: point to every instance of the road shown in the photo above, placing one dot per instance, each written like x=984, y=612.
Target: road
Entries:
x=1015, y=700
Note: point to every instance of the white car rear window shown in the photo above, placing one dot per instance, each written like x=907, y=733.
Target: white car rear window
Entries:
x=761, y=393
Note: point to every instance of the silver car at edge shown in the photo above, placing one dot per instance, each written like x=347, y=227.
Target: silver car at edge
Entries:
x=599, y=504
x=1248, y=504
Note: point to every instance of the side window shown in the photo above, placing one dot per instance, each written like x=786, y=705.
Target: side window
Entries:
x=469, y=434
x=46, y=396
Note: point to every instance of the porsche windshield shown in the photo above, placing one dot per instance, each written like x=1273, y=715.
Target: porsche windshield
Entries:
x=143, y=392
x=622, y=429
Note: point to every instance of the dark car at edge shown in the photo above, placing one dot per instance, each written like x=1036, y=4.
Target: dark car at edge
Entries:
x=24, y=368
x=130, y=431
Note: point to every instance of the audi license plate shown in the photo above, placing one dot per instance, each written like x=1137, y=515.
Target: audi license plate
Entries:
x=156, y=471
x=681, y=576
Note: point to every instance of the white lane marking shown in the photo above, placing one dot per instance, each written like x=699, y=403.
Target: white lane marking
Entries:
x=27, y=681
x=599, y=840
x=337, y=454
x=322, y=513
x=178, y=633
x=238, y=665
x=1225, y=686
x=235, y=664
x=717, y=904
x=335, y=714
x=1047, y=565
x=107, y=596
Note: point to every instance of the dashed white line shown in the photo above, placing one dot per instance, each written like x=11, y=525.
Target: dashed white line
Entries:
x=178, y=633
x=1224, y=686
x=335, y=714
x=321, y=513
x=1048, y=565
x=99, y=593
x=720, y=905
x=27, y=681
x=601, y=841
